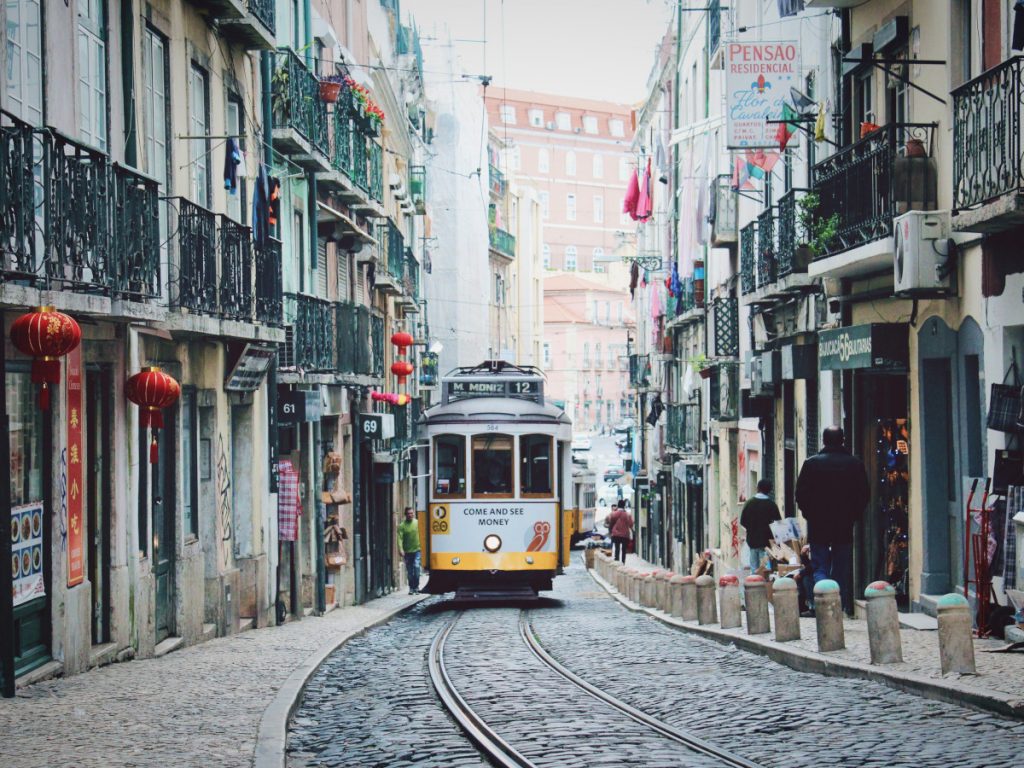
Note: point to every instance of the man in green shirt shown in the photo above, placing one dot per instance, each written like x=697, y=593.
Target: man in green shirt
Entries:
x=409, y=548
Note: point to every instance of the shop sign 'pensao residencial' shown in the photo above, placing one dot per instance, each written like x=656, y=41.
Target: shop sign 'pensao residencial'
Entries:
x=758, y=76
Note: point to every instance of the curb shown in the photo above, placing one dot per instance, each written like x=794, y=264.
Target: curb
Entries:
x=272, y=734
x=806, y=661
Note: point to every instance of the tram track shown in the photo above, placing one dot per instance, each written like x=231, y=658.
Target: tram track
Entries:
x=501, y=752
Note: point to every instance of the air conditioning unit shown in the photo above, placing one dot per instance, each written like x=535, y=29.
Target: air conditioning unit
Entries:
x=924, y=258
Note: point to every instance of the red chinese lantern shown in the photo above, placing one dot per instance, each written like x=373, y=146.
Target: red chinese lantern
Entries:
x=401, y=340
x=401, y=369
x=46, y=335
x=152, y=390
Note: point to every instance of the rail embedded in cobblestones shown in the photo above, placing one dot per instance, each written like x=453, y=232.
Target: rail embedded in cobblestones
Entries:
x=499, y=751
x=687, y=739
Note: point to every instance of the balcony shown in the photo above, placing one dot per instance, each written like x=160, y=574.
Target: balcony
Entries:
x=310, y=333
x=748, y=258
x=887, y=173
x=300, y=117
x=418, y=188
x=411, y=284
x=639, y=371
x=390, y=270
x=72, y=220
x=496, y=183
x=221, y=273
x=767, y=248
x=727, y=326
x=254, y=28
x=360, y=351
x=502, y=243
x=683, y=428
x=988, y=170
x=792, y=239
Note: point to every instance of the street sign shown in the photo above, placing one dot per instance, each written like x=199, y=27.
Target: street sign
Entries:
x=295, y=406
x=376, y=426
x=252, y=365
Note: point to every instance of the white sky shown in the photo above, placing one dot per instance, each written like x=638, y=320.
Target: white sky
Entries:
x=597, y=49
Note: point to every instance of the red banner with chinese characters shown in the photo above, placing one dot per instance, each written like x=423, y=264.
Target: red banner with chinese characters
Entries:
x=76, y=455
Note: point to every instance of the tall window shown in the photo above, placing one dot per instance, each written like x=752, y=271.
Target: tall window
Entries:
x=92, y=73
x=155, y=111
x=570, y=207
x=598, y=166
x=863, y=99
x=564, y=121
x=570, y=258
x=536, y=118
x=598, y=209
x=24, y=70
x=547, y=256
x=618, y=311
x=545, y=205
x=597, y=361
x=570, y=163
x=492, y=465
x=199, y=125
x=543, y=161
x=536, y=475
x=597, y=254
x=508, y=114
x=235, y=125
x=586, y=354
x=450, y=466
x=616, y=127
x=590, y=124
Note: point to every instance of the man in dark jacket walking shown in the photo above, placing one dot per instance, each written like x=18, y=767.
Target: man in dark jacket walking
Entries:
x=832, y=491
x=756, y=518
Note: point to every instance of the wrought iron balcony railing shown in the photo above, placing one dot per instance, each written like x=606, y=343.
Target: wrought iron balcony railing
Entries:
x=197, y=258
x=987, y=158
x=503, y=242
x=639, y=370
x=418, y=187
x=714, y=25
x=236, y=289
x=390, y=250
x=70, y=219
x=268, y=282
x=411, y=282
x=342, y=138
x=377, y=342
x=683, y=427
x=727, y=326
x=888, y=172
x=748, y=258
x=497, y=181
x=355, y=346
x=375, y=158
x=791, y=233
x=264, y=11
x=295, y=100
x=767, y=249
x=310, y=331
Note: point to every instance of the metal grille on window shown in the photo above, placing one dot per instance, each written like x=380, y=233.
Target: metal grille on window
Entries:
x=768, y=460
x=811, y=417
x=727, y=343
x=321, y=268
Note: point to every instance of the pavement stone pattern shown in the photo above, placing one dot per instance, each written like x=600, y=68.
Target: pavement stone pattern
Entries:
x=755, y=707
x=1003, y=672
x=199, y=706
x=372, y=703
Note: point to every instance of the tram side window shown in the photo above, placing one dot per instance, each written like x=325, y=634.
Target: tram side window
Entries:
x=535, y=476
x=450, y=466
x=492, y=465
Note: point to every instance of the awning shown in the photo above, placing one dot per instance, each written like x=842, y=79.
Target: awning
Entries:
x=328, y=215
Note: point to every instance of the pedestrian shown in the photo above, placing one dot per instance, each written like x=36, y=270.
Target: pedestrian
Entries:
x=756, y=518
x=832, y=491
x=409, y=548
x=804, y=579
x=620, y=528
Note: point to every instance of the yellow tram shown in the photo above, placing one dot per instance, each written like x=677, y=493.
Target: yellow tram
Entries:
x=496, y=504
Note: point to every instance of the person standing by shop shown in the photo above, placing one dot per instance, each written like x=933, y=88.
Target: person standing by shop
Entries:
x=620, y=528
x=756, y=518
x=832, y=491
x=409, y=548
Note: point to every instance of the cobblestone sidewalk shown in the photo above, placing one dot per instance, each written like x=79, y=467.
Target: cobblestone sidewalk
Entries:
x=998, y=684
x=199, y=706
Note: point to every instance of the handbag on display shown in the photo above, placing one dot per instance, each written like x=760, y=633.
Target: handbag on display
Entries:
x=1004, y=406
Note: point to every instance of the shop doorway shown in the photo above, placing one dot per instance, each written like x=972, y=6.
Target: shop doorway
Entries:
x=164, y=529
x=98, y=389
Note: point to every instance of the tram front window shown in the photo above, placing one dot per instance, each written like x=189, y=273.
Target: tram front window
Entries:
x=535, y=465
x=450, y=466
x=492, y=465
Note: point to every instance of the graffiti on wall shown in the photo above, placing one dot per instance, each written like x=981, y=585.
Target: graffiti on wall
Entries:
x=224, y=497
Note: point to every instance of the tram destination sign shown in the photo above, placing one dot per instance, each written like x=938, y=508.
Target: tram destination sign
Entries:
x=524, y=389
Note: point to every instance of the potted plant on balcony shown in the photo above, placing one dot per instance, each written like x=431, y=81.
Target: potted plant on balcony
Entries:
x=330, y=88
x=703, y=366
x=816, y=233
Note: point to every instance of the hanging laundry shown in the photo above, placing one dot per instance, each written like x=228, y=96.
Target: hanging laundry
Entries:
x=289, y=503
x=232, y=159
x=790, y=7
x=819, y=122
x=634, y=278
x=657, y=309
x=261, y=208
x=643, y=203
x=786, y=130
x=676, y=287
x=632, y=195
x=274, y=197
x=661, y=161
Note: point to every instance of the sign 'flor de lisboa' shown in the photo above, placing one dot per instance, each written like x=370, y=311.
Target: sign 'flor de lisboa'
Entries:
x=758, y=76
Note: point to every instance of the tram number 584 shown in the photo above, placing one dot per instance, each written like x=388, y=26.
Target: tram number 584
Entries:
x=439, y=522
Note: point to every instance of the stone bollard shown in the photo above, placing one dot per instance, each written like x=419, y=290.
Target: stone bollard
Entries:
x=828, y=611
x=662, y=599
x=787, y=610
x=883, y=623
x=620, y=579
x=647, y=590
x=755, y=593
x=707, y=611
x=675, y=596
x=634, y=585
x=729, y=600
x=956, y=643
x=689, y=598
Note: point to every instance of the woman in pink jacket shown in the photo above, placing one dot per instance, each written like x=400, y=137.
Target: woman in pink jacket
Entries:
x=620, y=527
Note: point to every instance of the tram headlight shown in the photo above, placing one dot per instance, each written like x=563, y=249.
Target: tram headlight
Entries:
x=492, y=542
x=529, y=560
x=456, y=560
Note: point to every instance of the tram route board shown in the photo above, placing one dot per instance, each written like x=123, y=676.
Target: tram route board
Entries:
x=523, y=389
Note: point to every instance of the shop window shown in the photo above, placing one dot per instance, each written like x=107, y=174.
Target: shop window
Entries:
x=450, y=467
x=535, y=466
x=492, y=465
